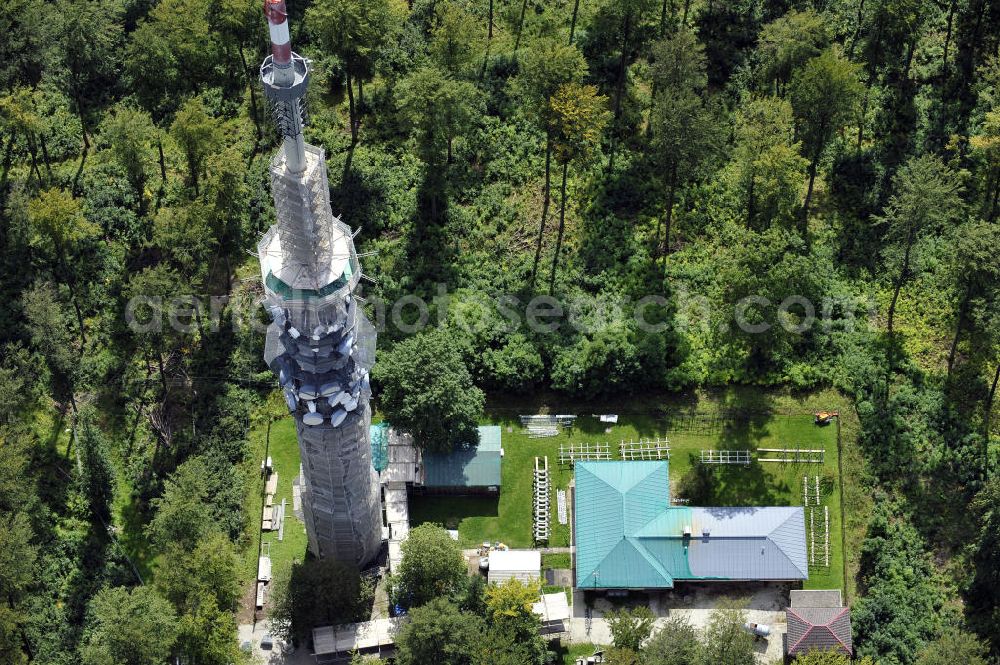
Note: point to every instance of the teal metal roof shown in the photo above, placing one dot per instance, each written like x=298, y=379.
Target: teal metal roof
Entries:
x=629, y=536
x=475, y=467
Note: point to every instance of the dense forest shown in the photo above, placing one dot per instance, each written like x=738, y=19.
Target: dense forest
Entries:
x=826, y=172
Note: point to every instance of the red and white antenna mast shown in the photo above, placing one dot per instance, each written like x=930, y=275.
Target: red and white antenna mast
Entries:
x=285, y=76
x=277, y=25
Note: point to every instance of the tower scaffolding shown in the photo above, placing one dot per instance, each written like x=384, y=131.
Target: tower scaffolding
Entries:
x=319, y=344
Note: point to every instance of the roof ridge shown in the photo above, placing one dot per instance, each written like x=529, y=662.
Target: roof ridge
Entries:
x=843, y=611
x=834, y=635
x=638, y=545
x=811, y=627
x=794, y=512
x=603, y=481
x=789, y=559
x=850, y=648
x=807, y=633
x=791, y=513
x=621, y=497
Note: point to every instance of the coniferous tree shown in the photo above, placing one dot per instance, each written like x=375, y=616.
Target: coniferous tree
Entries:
x=684, y=124
x=926, y=197
x=545, y=67
x=824, y=94
x=578, y=116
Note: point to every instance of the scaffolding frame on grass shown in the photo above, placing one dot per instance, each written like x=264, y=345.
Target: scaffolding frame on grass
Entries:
x=725, y=457
x=813, y=497
x=569, y=453
x=792, y=455
x=645, y=449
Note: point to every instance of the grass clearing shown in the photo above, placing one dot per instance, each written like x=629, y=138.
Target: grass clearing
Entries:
x=748, y=419
x=284, y=452
x=730, y=424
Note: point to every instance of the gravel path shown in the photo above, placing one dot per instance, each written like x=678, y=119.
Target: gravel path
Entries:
x=765, y=602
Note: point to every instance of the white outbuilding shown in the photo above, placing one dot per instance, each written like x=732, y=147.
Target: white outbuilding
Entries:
x=524, y=565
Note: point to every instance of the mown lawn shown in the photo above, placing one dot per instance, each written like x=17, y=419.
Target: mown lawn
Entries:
x=284, y=452
x=716, y=425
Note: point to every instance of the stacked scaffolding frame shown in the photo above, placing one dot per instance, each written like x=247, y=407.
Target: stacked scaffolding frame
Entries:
x=541, y=503
x=539, y=426
x=561, y=509
x=819, y=555
x=810, y=491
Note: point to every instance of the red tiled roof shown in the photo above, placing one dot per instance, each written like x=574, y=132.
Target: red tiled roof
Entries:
x=820, y=629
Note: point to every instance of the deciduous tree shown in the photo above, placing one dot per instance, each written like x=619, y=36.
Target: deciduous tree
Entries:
x=130, y=135
x=630, y=14
x=438, y=108
x=986, y=146
x=198, y=134
x=183, y=514
x=787, y=43
x=509, y=612
x=352, y=30
x=86, y=40
x=211, y=570
x=726, y=640
x=829, y=657
x=684, y=125
x=675, y=643
x=61, y=232
x=543, y=68
x=954, y=646
x=977, y=275
x=426, y=391
x=205, y=633
x=432, y=567
x=439, y=633
x=766, y=169
x=630, y=627
x=48, y=329
x=456, y=38
x=985, y=589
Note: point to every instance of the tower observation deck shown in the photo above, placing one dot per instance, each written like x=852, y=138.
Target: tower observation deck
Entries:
x=320, y=344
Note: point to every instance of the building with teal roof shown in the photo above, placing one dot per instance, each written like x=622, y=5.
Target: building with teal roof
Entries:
x=628, y=536
x=471, y=470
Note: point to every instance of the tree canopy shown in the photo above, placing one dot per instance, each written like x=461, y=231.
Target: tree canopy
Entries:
x=432, y=567
x=427, y=391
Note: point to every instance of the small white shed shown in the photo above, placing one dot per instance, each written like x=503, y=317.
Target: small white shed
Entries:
x=524, y=565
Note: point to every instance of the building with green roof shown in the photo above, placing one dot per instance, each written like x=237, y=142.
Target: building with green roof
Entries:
x=471, y=470
x=628, y=536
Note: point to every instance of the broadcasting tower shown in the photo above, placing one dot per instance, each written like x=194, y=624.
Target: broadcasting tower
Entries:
x=320, y=343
